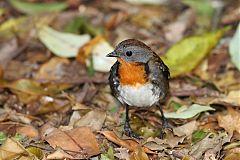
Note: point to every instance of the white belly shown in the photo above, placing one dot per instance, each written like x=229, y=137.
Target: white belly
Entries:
x=140, y=96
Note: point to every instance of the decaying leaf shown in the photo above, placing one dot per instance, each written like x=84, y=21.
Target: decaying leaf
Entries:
x=186, y=129
x=11, y=149
x=138, y=154
x=28, y=90
x=59, y=154
x=127, y=143
x=209, y=142
x=233, y=98
x=184, y=56
x=93, y=120
x=28, y=130
x=52, y=70
x=190, y=112
x=79, y=140
x=156, y=144
x=8, y=51
x=122, y=153
x=62, y=44
x=172, y=140
x=231, y=121
x=36, y=152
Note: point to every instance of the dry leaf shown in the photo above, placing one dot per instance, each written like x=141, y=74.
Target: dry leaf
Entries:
x=28, y=131
x=122, y=153
x=209, y=142
x=231, y=121
x=139, y=154
x=93, y=119
x=52, y=70
x=233, y=98
x=172, y=140
x=10, y=149
x=156, y=144
x=59, y=154
x=127, y=143
x=75, y=141
x=186, y=129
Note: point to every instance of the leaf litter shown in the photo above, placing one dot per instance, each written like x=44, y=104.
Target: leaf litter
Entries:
x=54, y=93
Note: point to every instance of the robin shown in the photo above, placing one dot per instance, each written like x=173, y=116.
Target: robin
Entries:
x=139, y=78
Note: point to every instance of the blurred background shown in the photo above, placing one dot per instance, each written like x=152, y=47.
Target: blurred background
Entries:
x=54, y=78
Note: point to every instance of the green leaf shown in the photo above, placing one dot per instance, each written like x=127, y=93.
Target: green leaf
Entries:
x=81, y=25
x=3, y=137
x=203, y=7
x=199, y=135
x=184, y=56
x=29, y=8
x=175, y=105
x=62, y=44
x=234, y=48
x=109, y=155
x=190, y=112
x=19, y=137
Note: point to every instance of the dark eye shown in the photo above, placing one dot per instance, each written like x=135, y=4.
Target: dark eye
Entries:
x=129, y=53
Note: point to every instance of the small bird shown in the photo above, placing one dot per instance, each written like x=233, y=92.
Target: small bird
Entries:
x=138, y=78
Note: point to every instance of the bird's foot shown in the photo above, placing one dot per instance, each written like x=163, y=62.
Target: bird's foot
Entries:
x=129, y=132
x=165, y=125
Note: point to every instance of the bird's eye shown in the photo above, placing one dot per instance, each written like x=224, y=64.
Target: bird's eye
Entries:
x=129, y=53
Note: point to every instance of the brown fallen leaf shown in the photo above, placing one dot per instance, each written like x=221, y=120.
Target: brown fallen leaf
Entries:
x=11, y=149
x=232, y=154
x=8, y=51
x=233, y=98
x=78, y=141
x=156, y=144
x=28, y=89
x=209, y=143
x=52, y=70
x=138, y=154
x=172, y=140
x=28, y=131
x=186, y=129
x=127, y=143
x=93, y=119
x=84, y=137
x=121, y=153
x=230, y=122
x=58, y=138
x=59, y=154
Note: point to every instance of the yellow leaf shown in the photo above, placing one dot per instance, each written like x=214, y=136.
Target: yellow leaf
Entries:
x=188, y=53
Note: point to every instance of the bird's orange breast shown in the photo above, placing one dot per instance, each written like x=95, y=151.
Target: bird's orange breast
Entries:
x=131, y=73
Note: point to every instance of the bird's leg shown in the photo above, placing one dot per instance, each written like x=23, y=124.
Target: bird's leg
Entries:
x=165, y=123
x=127, y=129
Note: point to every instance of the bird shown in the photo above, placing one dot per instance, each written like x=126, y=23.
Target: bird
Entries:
x=139, y=78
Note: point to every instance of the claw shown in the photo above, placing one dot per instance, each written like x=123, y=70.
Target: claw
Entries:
x=129, y=132
x=165, y=125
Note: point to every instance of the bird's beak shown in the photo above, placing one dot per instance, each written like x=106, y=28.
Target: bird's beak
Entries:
x=112, y=54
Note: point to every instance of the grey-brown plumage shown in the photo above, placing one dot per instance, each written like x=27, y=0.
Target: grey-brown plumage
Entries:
x=139, y=78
